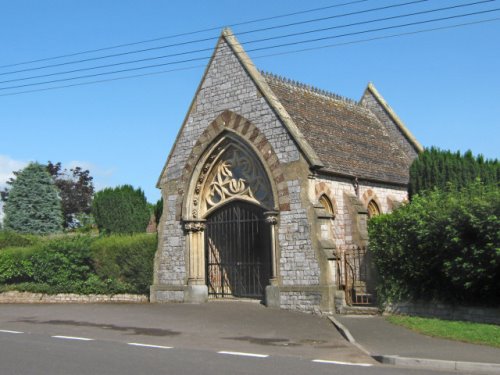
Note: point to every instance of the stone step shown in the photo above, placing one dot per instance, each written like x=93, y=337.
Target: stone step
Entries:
x=360, y=310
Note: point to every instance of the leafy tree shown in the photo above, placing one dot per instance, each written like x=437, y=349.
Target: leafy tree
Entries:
x=121, y=210
x=33, y=204
x=76, y=190
x=441, y=169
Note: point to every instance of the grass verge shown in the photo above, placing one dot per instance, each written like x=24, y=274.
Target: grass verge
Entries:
x=474, y=333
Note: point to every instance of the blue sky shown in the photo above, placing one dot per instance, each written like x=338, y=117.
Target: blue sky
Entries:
x=444, y=85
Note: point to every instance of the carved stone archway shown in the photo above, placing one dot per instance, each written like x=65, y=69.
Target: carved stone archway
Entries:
x=230, y=170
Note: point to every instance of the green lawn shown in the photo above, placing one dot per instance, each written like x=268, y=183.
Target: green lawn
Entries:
x=476, y=333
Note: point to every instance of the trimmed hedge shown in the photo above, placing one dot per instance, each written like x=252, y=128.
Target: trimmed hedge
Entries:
x=13, y=239
x=80, y=264
x=127, y=259
x=442, y=246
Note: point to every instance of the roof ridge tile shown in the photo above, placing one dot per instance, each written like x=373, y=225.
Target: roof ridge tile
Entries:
x=309, y=88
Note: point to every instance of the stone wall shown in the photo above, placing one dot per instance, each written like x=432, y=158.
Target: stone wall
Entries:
x=370, y=101
x=27, y=297
x=335, y=189
x=444, y=311
x=301, y=301
x=298, y=262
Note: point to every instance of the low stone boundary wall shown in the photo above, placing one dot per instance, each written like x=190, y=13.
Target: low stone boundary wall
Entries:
x=27, y=297
x=443, y=311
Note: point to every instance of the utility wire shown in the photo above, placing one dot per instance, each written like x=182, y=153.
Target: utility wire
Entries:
x=377, y=38
x=215, y=38
x=375, y=30
x=259, y=57
x=187, y=33
x=246, y=43
x=256, y=49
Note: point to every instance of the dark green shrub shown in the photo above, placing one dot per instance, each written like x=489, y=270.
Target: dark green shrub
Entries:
x=80, y=264
x=126, y=259
x=15, y=265
x=63, y=263
x=443, y=246
x=158, y=210
x=121, y=210
x=435, y=168
x=13, y=239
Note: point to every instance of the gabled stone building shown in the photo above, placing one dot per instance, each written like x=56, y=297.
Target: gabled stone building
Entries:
x=270, y=183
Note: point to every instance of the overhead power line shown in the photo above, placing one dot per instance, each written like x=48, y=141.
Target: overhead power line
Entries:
x=257, y=57
x=178, y=44
x=172, y=36
x=256, y=49
x=246, y=43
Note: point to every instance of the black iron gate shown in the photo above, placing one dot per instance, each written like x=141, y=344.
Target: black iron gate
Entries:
x=237, y=243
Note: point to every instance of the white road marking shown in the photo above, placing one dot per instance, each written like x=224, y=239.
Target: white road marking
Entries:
x=245, y=354
x=342, y=363
x=7, y=331
x=149, y=345
x=72, y=338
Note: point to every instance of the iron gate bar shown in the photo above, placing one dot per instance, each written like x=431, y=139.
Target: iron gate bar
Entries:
x=238, y=251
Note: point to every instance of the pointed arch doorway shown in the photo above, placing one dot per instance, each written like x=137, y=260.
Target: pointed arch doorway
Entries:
x=231, y=227
x=238, y=251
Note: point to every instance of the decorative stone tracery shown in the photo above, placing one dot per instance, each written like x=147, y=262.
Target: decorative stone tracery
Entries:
x=230, y=172
x=237, y=175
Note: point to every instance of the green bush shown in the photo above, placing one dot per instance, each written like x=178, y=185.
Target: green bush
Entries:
x=13, y=239
x=126, y=260
x=63, y=263
x=442, y=246
x=121, y=210
x=80, y=264
x=15, y=265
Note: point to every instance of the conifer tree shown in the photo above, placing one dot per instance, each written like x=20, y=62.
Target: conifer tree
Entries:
x=33, y=204
x=121, y=210
x=435, y=168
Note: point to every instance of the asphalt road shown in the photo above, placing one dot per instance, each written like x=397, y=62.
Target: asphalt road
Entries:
x=216, y=338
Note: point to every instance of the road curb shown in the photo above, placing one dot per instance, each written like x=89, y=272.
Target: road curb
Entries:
x=416, y=362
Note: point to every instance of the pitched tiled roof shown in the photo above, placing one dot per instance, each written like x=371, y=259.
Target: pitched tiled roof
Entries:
x=346, y=136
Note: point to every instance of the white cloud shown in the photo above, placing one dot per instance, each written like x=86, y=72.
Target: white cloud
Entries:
x=7, y=166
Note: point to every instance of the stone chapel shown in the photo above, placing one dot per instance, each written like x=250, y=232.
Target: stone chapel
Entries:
x=269, y=186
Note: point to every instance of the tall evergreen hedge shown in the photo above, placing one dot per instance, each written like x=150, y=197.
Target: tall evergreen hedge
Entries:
x=33, y=204
x=121, y=210
x=435, y=168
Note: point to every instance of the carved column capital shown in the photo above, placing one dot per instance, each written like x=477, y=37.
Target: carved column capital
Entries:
x=194, y=225
x=271, y=217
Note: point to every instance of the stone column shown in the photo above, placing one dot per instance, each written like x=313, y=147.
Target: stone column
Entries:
x=196, y=290
x=272, y=297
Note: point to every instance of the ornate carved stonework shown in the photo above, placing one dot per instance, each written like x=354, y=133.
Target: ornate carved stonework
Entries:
x=230, y=172
x=271, y=217
x=194, y=225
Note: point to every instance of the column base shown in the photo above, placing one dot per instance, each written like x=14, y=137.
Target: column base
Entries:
x=272, y=296
x=195, y=294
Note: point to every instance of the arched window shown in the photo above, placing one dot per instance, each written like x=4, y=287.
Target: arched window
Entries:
x=373, y=209
x=326, y=220
x=327, y=204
